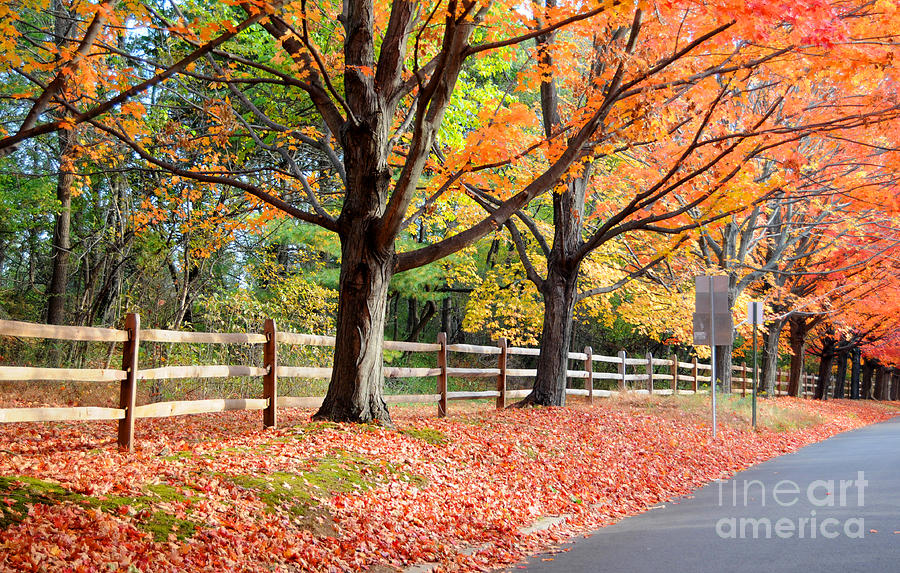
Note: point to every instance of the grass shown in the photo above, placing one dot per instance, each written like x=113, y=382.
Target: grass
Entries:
x=734, y=410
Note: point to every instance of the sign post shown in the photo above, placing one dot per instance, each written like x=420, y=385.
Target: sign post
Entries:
x=755, y=317
x=712, y=323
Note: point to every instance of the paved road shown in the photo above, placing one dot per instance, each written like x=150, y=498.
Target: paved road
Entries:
x=706, y=533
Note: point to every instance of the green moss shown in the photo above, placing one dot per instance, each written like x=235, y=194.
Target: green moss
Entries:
x=19, y=493
x=430, y=435
x=161, y=525
x=166, y=492
x=528, y=451
x=177, y=456
x=111, y=503
x=297, y=493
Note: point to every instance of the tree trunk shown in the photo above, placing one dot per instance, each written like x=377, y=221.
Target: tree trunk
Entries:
x=769, y=370
x=62, y=238
x=878, y=382
x=895, y=386
x=357, y=380
x=885, y=392
x=723, y=367
x=867, y=372
x=445, y=315
x=798, y=332
x=411, y=312
x=559, y=302
x=367, y=265
x=825, y=364
x=854, y=373
x=422, y=322
x=841, y=377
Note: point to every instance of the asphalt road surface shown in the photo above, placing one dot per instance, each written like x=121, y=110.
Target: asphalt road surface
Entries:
x=831, y=506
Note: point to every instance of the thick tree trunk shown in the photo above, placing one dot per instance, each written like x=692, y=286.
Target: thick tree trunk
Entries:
x=559, y=291
x=867, y=372
x=367, y=265
x=559, y=302
x=841, y=378
x=723, y=367
x=895, y=386
x=357, y=380
x=854, y=372
x=769, y=370
x=825, y=364
x=798, y=332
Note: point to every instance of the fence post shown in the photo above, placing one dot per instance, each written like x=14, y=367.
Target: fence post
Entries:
x=696, y=370
x=270, y=379
x=442, y=377
x=589, y=368
x=650, y=372
x=501, y=377
x=622, y=371
x=128, y=386
x=744, y=380
x=674, y=359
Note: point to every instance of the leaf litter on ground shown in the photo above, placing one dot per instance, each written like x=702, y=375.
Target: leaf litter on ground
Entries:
x=217, y=492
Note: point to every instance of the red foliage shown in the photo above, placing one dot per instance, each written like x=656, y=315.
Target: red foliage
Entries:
x=498, y=472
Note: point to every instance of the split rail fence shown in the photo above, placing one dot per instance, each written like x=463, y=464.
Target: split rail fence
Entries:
x=678, y=377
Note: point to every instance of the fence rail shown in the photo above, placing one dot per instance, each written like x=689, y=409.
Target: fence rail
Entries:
x=132, y=336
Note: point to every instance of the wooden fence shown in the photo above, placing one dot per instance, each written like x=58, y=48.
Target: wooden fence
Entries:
x=676, y=376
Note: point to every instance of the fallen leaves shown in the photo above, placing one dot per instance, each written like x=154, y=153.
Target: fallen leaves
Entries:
x=217, y=492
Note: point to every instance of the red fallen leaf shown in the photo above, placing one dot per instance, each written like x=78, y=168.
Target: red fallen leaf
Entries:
x=499, y=471
x=124, y=509
x=873, y=531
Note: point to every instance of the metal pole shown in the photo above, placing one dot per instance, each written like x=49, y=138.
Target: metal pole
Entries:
x=712, y=345
x=756, y=369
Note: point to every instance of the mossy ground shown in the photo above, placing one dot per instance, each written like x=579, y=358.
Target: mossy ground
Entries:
x=19, y=493
x=430, y=435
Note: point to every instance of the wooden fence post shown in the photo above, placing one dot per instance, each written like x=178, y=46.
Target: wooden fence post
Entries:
x=650, y=372
x=674, y=360
x=696, y=371
x=442, y=377
x=589, y=368
x=270, y=379
x=128, y=386
x=622, y=371
x=501, y=377
x=743, y=380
